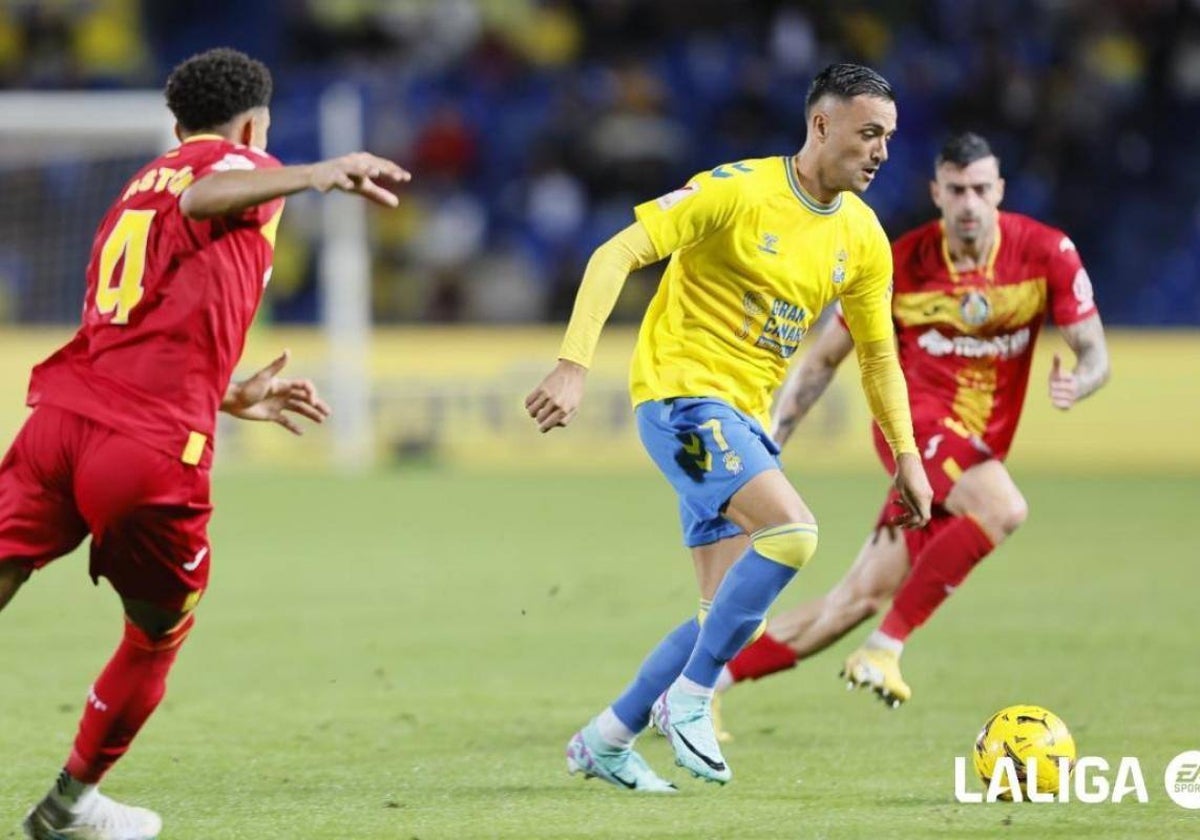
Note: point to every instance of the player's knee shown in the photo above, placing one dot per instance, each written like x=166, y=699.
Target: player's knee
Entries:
x=157, y=637
x=13, y=575
x=159, y=626
x=1015, y=514
x=1006, y=515
x=791, y=545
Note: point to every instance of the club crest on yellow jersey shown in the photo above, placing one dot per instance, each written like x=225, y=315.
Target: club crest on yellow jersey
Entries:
x=839, y=269
x=769, y=241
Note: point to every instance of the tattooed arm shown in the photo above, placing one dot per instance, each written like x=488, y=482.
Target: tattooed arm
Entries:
x=809, y=378
x=1086, y=340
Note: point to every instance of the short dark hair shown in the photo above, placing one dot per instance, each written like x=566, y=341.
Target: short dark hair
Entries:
x=211, y=88
x=963, y=149
x=846, y=81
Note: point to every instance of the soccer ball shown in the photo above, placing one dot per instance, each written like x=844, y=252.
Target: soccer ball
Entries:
x=1021, y=733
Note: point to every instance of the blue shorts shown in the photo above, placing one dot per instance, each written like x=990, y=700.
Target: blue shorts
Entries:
x=708, y=450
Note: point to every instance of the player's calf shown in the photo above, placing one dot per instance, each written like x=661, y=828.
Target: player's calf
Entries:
x=118, y=704
x=956, y=547
x=842, y=612
x=123, y=698
x=811, y=627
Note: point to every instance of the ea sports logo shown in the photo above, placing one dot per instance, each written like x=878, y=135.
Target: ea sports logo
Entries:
x=1183, y=779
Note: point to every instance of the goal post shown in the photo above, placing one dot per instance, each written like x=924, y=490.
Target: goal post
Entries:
x=345, y=284
x=106, y=118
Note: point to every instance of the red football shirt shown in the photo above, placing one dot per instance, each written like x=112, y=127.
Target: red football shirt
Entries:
x=966, y=339
x=168, y=304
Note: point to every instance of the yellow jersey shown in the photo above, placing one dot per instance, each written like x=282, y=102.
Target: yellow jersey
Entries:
x=754, y=261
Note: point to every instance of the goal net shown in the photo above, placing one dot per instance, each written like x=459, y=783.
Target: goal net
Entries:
x=65, y=155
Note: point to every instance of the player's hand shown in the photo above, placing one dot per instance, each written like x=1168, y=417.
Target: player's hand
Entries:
x=270, y=397
x=555, y=401
x=1064, y=387
x=358, y=173
x=916, y=496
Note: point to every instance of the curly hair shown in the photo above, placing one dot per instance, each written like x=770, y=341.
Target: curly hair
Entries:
x=846, y=81
x=211, y=88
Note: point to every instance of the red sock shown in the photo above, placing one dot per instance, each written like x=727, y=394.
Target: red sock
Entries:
x=943, y=564
x=122, y=698
x=760, y=659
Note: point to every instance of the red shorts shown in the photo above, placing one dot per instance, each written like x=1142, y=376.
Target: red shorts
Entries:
x=66, y=477
x=947, y=451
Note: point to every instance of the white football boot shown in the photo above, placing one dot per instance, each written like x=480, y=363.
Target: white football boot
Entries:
x=94, y=817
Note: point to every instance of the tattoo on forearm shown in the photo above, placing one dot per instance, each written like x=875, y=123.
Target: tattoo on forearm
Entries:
x=800, y=400
x=1091, y=372
x=1086, y=340
x=809, y=390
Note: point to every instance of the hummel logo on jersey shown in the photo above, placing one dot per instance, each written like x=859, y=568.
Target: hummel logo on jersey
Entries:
x=769, y=242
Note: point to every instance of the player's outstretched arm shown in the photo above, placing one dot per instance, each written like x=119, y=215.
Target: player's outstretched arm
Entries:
x=1086, y=340
x=808, y=379
x=556, y=399
x=223, y=193
x=270, y=397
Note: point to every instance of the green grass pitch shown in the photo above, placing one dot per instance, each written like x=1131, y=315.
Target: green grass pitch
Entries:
x=404, y=656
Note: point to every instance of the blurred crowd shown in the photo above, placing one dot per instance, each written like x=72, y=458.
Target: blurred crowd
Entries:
x=533, y=126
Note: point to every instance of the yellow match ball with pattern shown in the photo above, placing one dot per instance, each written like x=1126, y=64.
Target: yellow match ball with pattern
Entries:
x=1020, y=733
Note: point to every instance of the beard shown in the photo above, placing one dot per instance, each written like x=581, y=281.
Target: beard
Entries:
x=969, y=234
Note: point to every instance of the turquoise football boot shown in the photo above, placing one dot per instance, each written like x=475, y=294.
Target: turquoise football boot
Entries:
x=588, y=754
x=686, y=721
